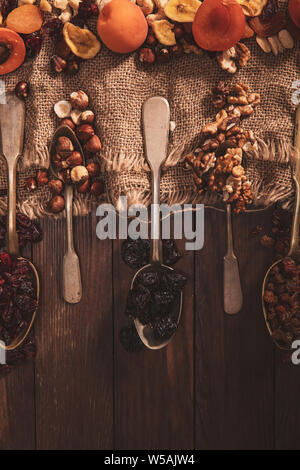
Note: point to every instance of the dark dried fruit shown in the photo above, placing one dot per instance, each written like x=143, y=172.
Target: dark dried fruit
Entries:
x=33, y=44
x=87, y=10
x=135, y=253
x=22, y=90
x=268, y=11
x=7, y=6
x=73, y=67
x=97, y=188
x=53, y=28
x=171, y=253
x=165, y=328
x=130, y=340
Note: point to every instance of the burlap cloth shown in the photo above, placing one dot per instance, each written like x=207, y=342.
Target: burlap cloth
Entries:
x=118, y=85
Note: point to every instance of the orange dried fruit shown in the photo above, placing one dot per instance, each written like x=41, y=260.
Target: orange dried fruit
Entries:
x=17, y=50
x=218, y=24
x=269, y=28
x=25, y=19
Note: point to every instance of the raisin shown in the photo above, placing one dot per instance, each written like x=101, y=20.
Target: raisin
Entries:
x=130, y=340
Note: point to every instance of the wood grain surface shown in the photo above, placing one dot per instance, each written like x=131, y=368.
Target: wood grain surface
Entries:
x=220, y=384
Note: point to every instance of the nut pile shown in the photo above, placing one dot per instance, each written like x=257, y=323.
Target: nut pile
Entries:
x=217, y=163
x=74, y=113
x=282, y=301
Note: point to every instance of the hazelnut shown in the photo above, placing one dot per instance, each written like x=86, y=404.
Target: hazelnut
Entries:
x=151, y=39
x=84, y=132
x=56, y=159
x=42, y=177
x=93, y=145
x=87, y=117
x=56, y=186
x=97, y=188
x=76, y=116
x=83, y=187
x=64, y=146
x=67, y=122
x=79, y=174
x=93, y=169
x=31, y=184
x=62, y=109
x=22, y=89
x=79, y=100
x=146, y=55
x=72, y=67
x=65, y=175
x=74, y=159
x=56, y=204
x=57, y=64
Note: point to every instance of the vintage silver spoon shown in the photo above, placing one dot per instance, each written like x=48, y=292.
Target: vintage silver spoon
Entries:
x=12, y=121
x=156, y=124
x=294, y=245
x=72, y=285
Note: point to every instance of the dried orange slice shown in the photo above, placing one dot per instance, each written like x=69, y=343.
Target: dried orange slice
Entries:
x=82, y=42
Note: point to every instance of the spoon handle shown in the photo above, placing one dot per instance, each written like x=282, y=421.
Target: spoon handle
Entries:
x=12, y=236
x=233, y=296
x=156, y=125
x=296, y=220
x=72, y=286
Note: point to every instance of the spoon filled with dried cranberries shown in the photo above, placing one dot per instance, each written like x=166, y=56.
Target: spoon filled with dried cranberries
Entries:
x=155, y=297
x=281, y=285
x=19, y=280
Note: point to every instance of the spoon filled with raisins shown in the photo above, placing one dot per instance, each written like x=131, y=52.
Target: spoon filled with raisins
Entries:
x=19, y=279
x=155, y=297
x=281, y=285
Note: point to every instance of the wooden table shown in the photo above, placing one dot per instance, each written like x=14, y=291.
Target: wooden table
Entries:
x=220, y=384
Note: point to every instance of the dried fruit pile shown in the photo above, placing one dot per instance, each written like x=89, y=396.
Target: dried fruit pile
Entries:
x=17, y=304
x=282, y=301
x=154, y=292
x=217, y=164
x=27, y=230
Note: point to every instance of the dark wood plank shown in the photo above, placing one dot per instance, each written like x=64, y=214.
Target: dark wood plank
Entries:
x=234, y=355
x=17, y=404
x=74, y=374
x=154, y=397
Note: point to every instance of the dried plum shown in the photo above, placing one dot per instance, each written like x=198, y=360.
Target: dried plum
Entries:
x=150, y=279
x=135, y=253
x=130, y=340
x=171, y=253
x=163, y=297
x=165, y=327
x=175, y=281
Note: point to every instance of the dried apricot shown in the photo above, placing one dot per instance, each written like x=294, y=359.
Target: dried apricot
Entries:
x=218, y=24
x=25, y=19
x=16, y=48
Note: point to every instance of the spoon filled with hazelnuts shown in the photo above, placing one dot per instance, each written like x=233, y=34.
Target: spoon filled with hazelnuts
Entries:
x=68, y=165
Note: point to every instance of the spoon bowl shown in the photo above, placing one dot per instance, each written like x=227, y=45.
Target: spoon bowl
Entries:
x=63, y=131
x=145, y=332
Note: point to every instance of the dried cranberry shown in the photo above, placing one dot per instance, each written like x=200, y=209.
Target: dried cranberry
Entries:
x=87, y=9
x=5, y=261
x=33, y=44
x=268, y=11
x=8, y=6
x=53, y=28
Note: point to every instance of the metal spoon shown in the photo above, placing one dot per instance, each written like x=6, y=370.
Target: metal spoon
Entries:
x=294, y=245
x=12, y=120
x=156, y=123
x=72, y=285
x=233, y=296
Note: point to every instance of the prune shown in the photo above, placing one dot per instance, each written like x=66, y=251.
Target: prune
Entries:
x=33, y=44
x=149, y=279
x=165, y=327
x=170, y=252
x=53, y=28
x=175, y=281
x=130, y=340
x=163, y=297
x=135, y=253
x=140, y=297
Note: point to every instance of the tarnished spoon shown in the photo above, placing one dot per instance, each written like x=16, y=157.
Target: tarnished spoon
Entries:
x=12, y=120
x=72, y=285
x=294, y=245
x=156, y=124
